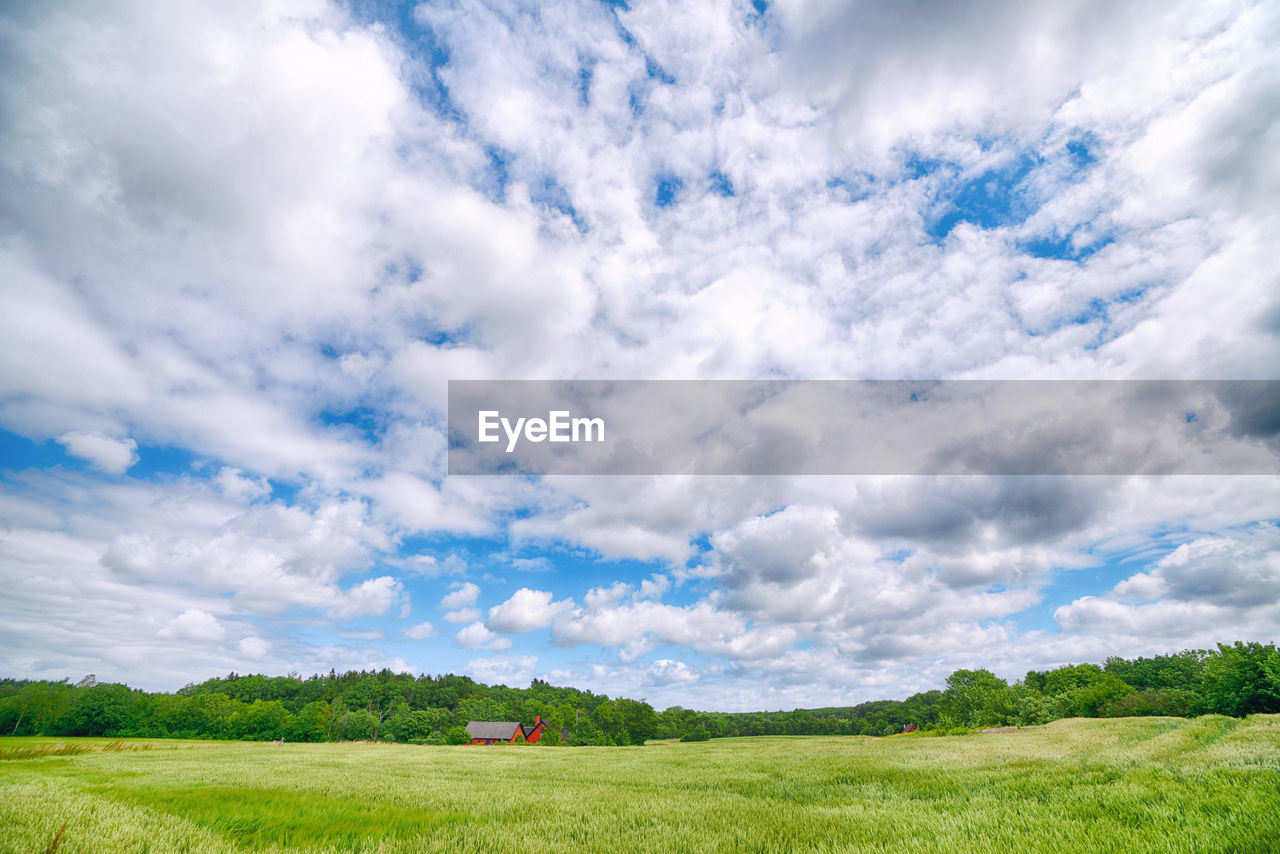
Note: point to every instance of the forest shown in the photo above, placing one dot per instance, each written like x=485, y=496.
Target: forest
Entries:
x=1237, y=680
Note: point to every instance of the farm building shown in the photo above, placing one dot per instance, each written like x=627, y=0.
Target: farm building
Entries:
x=505, y=732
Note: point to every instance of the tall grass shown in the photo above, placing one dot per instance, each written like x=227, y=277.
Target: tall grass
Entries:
x=56, y=841
x=36, y=751
x=1140, y=784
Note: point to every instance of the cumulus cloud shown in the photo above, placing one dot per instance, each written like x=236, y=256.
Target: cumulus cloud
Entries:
x=637, y=626
x=664, y=671
x=370, y=598
x=113, y=456
x=429, y=566
x=526, y=610
x=422, y=631
x=1209, y=586
x=238, y=487
x=253, y=647
x=222, y=247
x=194, y=625
x=799, y=565
x=478, y=636
x=271, y=557
x=1242, y=570
x=513, y=670
x=654, y=586
x=460, y=603
x=463, y=597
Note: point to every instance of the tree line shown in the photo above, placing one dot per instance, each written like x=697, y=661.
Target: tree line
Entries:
x=1240, y=679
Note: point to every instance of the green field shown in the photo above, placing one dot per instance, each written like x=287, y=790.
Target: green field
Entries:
x=1133, y=784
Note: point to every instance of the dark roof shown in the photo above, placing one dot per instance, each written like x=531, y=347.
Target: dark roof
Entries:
x=528, y=730
x=504, y=730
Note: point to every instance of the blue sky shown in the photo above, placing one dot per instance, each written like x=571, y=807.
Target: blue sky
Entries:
x=237, y=272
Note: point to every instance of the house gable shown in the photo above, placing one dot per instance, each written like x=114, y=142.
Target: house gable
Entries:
x=533, y=734
x=509, y=732
x=492, y=732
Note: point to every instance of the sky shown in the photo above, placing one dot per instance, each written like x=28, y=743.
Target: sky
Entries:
x=244, y=246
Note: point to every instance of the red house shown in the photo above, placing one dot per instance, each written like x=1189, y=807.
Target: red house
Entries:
x=505, y=732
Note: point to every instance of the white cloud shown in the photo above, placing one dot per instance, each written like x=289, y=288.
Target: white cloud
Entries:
x=429, y=566
x=253, y=647
x=464, y=596
x=418, y=504
x=477, y=636
x=638, y=626
x=238, y=487
x=515, y=671
x=422, y=631
x=53, y=349
x=271, y=558
x=371, y=598
x=1218, y=586
x=664, y=671
x=194, y=625
x=362, y=634
x=526, y=610
x=114, y=456
x=222, y=246
x=654, y=586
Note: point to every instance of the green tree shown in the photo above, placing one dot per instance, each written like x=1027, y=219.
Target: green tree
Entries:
x=1237, y=681
x=1089, y=700
x=975, y=698
x=609, y=719
x=550, y=736
x=585, y=732
x=1165, y=701
x=1271, y=667
x=33, y=707
x=210, y=715
x=99, y=710
x=393, y=728
x=1183, y=670
x=1071, y=678
x=1033, y=708
x=359, y=725
x=262, y=721
x=312, y=723
x=674, y=722
x=638, y=719
x=337, y=711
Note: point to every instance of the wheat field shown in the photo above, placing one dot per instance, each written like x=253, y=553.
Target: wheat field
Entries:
x=1135, y=784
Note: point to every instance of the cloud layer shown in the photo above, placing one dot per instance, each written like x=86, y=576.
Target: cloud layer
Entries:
x=243, y=248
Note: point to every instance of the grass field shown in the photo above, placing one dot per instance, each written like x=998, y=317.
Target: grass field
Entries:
x=1136, y=784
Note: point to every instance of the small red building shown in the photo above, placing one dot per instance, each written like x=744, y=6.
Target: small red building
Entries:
x=505, y=732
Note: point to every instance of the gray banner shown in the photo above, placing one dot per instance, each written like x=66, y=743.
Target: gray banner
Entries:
x=777, y=427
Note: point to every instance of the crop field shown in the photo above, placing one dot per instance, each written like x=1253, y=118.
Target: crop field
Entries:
x=1134, y=784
